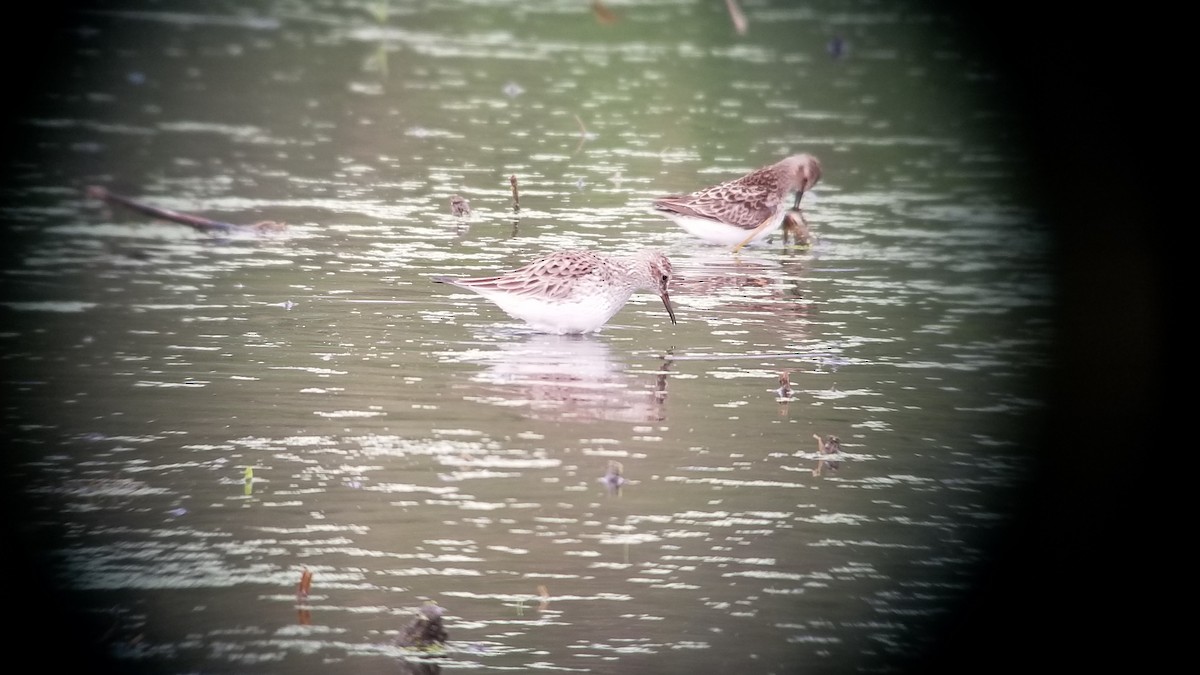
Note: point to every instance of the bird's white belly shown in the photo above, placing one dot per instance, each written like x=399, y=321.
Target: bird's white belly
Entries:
x=724, y=234
x=574, y=316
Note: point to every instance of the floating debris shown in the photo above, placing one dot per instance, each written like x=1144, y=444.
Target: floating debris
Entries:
x=305, y=585
x=195, y=222
x=459, y=206
x=830, y=445
x=425, y=631
x=784, y=391
x=614, y=478
x=836, y=47
x=796, y=227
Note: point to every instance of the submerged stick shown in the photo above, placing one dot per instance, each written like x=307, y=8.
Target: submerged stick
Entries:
x=603, y=14
x=196, y=222
x=740, y=24
x=583, y=132
x=512, y=180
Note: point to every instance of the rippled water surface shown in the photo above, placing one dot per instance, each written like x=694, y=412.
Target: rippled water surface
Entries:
x=201, y=418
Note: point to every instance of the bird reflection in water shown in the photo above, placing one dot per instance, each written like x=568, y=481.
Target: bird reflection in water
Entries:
x=410, y=667
x=749, y=287
x=569, y=377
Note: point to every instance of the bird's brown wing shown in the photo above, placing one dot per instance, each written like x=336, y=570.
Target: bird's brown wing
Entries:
x=740, y=204
x=550, y=276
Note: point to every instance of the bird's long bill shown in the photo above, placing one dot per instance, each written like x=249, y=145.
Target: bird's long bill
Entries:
x=667, y=302
x=799, y=196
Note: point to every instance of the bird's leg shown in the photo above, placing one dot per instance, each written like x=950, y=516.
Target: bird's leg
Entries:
x=754, y=233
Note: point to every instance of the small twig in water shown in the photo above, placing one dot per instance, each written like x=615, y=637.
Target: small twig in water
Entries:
x=603, y=14
x=583, y=132
x=740, y=24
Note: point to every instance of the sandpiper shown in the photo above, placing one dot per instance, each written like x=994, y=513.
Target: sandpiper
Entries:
x=745, y=209
x=575, y=290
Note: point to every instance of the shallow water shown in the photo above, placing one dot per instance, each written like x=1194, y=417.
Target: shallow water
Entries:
x=202, y=418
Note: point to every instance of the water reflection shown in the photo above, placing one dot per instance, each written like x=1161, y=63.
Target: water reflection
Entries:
x=409, y=666
x=749, y=287
x=565, y=377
